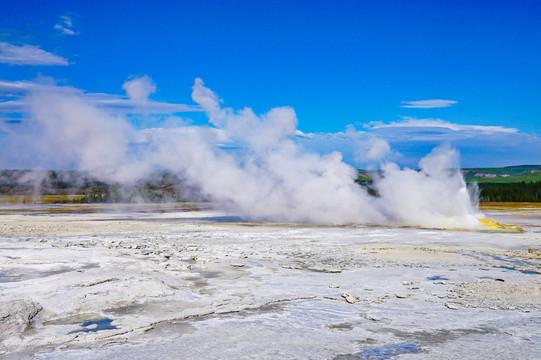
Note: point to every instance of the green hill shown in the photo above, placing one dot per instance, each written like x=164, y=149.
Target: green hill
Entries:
x=503, y=175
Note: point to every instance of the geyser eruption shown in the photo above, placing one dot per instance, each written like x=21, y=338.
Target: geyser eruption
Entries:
x=271, y=178
x=282, y=182
x=435, y=196
x=268, y=176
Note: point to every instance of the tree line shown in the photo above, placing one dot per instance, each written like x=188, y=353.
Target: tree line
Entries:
x=513, y=192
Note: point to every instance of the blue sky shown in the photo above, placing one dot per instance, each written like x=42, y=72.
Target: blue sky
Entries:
x=413, y=73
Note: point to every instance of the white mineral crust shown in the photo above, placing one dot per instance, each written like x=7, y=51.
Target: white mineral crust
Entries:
x=126, y=284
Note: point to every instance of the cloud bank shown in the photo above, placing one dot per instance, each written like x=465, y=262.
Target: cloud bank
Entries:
x=428, y=104
x=409, y=122
x=15, y=97
x=28, y=55
x=410, y=139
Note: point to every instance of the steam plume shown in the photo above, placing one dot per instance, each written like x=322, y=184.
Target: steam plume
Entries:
x=268, y=177
x=435, y=196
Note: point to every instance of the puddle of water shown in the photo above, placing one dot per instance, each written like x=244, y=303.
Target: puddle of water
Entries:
x=508, y=260
x=522, y=271
x=380, y=353
x=96, y=325
x=437, y=277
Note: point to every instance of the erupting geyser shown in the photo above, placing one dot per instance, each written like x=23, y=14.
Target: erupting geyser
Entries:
x=268, y=176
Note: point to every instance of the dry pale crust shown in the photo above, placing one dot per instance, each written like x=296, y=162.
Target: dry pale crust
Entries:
x=495, y=294
x=18, y=225
x=413, y=254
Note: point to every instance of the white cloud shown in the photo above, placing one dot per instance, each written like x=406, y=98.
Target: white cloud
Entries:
x=404, y=141
x=428, y=104
x=411, y=138
x=28, y=55
x=409, y=122
x=13, y=93
x=65, y=26
x=139, y=88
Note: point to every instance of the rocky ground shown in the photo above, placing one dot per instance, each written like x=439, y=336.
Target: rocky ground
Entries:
x=170, y=283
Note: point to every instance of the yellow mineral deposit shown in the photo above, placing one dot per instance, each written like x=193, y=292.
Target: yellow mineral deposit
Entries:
x=489, y=224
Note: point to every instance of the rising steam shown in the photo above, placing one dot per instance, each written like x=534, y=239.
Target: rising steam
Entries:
x=269, y=176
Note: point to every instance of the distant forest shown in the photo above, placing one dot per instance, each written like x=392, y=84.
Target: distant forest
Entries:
x=513, y=192
x=80, y=187
x=509, y=184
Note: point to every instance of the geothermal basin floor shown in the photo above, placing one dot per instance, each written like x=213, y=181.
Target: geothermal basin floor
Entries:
x=150, y=282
